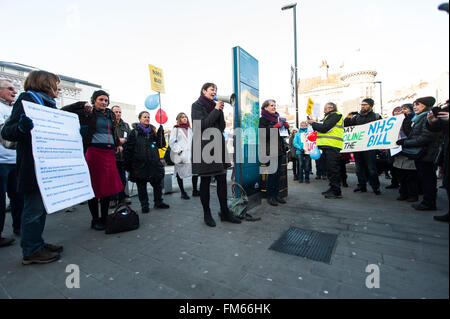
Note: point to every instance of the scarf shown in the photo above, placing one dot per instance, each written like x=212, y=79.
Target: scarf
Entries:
x=146, y=130
x=40, y=97
x=209, y=104
x=417, y=117
x=183, y=125
x=269, y=116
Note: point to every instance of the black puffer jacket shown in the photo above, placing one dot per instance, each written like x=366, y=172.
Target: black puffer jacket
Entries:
x=214, y=119
x=361, y=119
x=420, y=136
x=442, y=126
x=141, y=154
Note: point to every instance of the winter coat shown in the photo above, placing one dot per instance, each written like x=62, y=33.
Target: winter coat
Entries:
x=214, y=119
x=26, y=175
x=89, y=120
x=141, y=154
x=282, y=148
x=420, y=136
x=123, y=129
x=298, y=144
x=442, y=126
x=361, y=119
x=181, y=151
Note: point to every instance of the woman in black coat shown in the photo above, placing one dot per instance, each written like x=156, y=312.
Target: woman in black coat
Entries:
x=207, y=114
x=428, y=142
x=142, y=160
x=42, y=88
x=270, y=120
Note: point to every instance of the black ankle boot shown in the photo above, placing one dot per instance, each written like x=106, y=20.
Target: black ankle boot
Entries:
x=229, y=217
x=208, y=218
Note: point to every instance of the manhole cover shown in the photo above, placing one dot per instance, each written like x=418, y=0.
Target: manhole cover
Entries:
x=306, y=243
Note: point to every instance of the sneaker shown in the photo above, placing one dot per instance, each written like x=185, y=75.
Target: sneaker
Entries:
x=195, y=193
x=272, y=201
x=184, y=196
x=42, y=256
x=162, y=205
x=280, y=200
x=332, y=195
x=421, y=206
x=391, y=186
x=442, y=218
x=54, y=248
x=4, y=242
x=412, y=199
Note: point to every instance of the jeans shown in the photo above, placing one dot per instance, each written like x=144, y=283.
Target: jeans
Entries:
x=33, y=223
x=367, y=161
x=143, y=194
x=8, y=184
x=304, y=166
x=273, y=181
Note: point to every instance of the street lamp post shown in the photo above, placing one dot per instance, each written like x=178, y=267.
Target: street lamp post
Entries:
x=381, y=97
x=290, y=6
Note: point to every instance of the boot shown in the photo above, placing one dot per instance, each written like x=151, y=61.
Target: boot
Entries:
x=184, y=195
x=208, y=218
x=229, y=217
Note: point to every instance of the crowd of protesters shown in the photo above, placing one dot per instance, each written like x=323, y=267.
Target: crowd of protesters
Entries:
x=112, y=147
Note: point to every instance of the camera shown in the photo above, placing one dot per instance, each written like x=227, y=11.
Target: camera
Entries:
x=443, y=107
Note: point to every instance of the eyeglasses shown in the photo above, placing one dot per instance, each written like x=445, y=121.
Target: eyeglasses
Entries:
x=364, y=104
x=11, y=88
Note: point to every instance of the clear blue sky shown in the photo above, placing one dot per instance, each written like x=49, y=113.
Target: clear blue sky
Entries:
x=111, y=43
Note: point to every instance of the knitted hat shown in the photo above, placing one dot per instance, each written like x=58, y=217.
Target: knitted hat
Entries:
x=396, y=109
x=408, y=105
x=428, y=101
x=98, y=93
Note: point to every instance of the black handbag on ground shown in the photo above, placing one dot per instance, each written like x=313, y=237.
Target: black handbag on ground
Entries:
x=123, y=219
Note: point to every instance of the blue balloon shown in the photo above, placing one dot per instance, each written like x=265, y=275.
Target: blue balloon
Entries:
x=152, y=101
x=315, y=153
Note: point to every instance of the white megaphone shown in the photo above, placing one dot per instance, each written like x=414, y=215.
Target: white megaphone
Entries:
x=227, y=99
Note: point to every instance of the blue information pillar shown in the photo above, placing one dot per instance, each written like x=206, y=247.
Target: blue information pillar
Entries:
x=246, y=122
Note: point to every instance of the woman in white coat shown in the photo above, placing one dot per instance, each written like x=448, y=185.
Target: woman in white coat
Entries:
x=180, y=143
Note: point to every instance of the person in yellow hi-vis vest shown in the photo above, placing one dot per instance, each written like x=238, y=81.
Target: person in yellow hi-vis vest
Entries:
x=330, y=135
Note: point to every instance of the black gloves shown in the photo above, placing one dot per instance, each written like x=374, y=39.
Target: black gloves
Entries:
x=400, y=142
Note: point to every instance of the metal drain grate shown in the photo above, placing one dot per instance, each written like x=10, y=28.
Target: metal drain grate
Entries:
x=306, y=243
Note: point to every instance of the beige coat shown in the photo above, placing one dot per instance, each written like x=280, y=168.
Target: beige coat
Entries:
x=402, y=162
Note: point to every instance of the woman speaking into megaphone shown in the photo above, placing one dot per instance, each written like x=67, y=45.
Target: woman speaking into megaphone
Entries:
x=209, y=114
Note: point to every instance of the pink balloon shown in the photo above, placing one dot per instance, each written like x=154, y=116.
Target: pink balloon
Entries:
x=161, y=117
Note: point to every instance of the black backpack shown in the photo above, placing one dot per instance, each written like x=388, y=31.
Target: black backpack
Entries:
x=123, y=219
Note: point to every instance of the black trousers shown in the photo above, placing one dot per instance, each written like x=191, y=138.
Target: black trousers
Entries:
x=426, y=173
x=343, y=170
x=205, y=182
x=104, y=206
x=143, y=194
x=408, y=182
x=333, y=162
x=295, y=165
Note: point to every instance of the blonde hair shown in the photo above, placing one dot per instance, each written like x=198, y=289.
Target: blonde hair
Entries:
x=179, y=118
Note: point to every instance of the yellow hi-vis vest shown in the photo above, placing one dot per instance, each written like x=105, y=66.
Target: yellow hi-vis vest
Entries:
x=333, y=137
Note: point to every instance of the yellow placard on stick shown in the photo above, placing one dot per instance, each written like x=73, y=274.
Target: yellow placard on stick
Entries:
x=156, y=78
x=309, y=107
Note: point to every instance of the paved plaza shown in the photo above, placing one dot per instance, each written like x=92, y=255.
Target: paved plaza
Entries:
x=175, y=255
